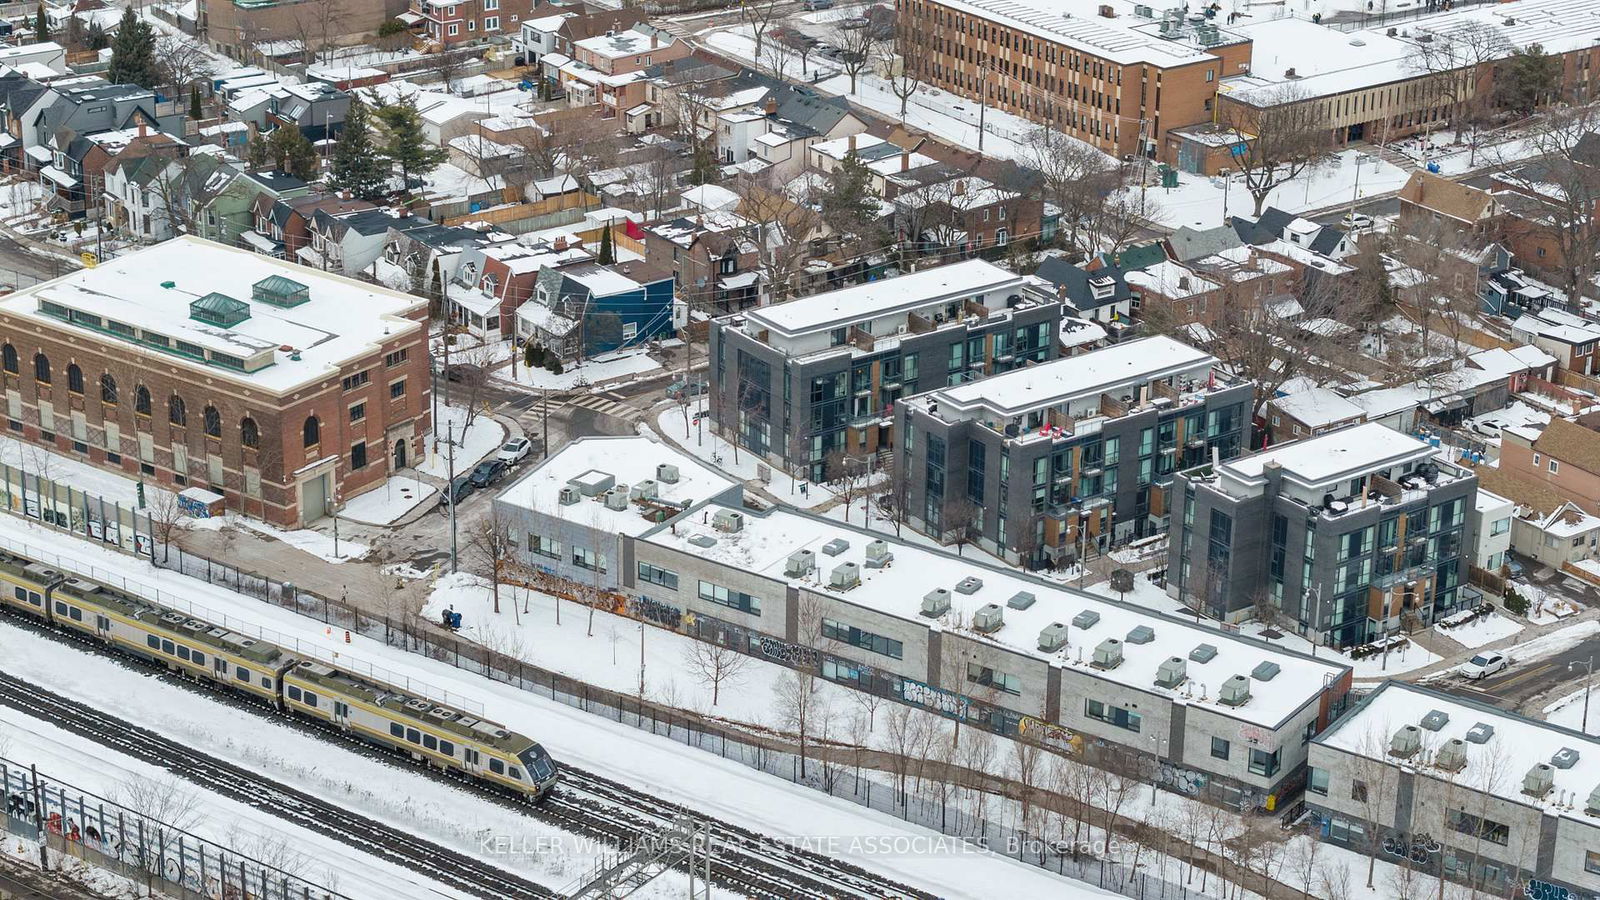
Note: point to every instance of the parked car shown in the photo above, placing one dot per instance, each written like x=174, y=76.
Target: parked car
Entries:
x=814, y=5
x=1517, y=568
x=462, y=372
x=515, y=450
x=855, y=22
x=1484, y=664
x=489, y=472
x=1357, y=221
x=458, y=490
x=1487, y=428
x=680, y=389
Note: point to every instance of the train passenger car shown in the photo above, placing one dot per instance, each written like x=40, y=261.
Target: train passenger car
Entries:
x=171, y=638
x=24, y=583
x=439, y=735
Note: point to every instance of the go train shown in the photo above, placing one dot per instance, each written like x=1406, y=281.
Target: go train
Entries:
x=381, y=714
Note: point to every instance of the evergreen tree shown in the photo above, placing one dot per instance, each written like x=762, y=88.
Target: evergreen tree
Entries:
x=607, y=255
x=133, y=53
x=95, y=37
x=404, y=142
x=196, y=112
x=704, y=169
x=286, y=150
x=41, y=25
x=358, y=167
x=1529, y=78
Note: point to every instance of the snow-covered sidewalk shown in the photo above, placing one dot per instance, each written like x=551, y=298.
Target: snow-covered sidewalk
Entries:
x=473, y=442
x=604, y=368
x=689, y=428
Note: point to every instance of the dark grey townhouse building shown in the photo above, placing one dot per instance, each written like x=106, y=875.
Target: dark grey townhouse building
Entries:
x=805, y=379
x=1042, y=464
x=1349, y=534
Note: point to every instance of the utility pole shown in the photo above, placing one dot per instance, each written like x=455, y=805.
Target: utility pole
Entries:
x=1355, y=192
x=544, y=422
x=1588, y=677
x=450, y=491
x=983, y=101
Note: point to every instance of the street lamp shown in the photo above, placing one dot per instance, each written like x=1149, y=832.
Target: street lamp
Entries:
x=1588, y=676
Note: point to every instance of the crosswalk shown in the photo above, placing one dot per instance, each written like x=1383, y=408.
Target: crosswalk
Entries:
x=607, y=406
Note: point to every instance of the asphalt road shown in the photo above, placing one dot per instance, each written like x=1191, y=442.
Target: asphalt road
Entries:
x=21, y=267
x=1528, y=688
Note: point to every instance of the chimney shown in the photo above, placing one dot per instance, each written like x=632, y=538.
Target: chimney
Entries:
x=561, y=243
x=772, y=107
x=142, y=131
x=655, y=40
x=905, y=160
x=960, y=188
x=852, y=143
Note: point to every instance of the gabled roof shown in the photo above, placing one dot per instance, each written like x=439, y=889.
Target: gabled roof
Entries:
x=1537, y=496
x=1189, y=244
x=1461, y=202
x=1074, y=282
x=1571, y=444
x=1137, y=256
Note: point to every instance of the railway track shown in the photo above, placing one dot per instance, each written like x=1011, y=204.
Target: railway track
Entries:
x=583, y=803
x=441, y=864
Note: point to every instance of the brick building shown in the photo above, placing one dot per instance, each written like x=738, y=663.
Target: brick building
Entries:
x=448, y=23
x=189, y=363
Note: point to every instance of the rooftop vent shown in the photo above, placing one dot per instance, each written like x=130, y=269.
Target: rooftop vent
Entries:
x=969, y=585
x=845, y=575
x=729, y=520
x=644, y=490
x=568, y=495
x=988, y=618
x=1108, y=654
x=1452, y=756
x=617, y=498
x=878, y=554
x=1203, y=654
x=279, y=291
x=1021, y=600
x=1480, y=733
x=1053, y=637
x=219, y=310
x=1406, y=742
x=1172, y=672
x=1085, y=619
x=1565, y=758
x=1435, y=720
x=936, y=603
x=835, y=547
x=1265, y=671
x=667, y=473
x=1141, y=634
x=1539, y=780
x=593, y=483
x=1593, y=806
x=703, y=541
x=1235, y=691
x=800, y=562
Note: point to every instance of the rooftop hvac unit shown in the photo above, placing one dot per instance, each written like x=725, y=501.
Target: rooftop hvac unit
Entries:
x=617, y=498
x=568, y=495
x=1480, y=733
x=835, y=547
x=1141, y=634
x=936, y=603
x=703, y=541
x=593, y=483
x=1172, y=672
x=1539, y=780
x=1265, y=671
x=644, y=490
x=1565, y=758
x=1085, y=619
x=969, y=585
x=1203, y=654
x=729, y=520
x=1593, y=806
x=878, y=554
x=1435, y=720
x=1452, y=756
x=1108, y=654
x=845, y=575
x=1021, y=600
x=667, y=473
x=1053, y=637
x=801, y=562
x=1406, y=742
x=989, y=618
x=1235, y=691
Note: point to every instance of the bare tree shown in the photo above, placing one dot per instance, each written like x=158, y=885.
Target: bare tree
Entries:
x=896, y=501
x=963, y=523
x=795, y=698
x=857, y=44
x=1282, y=132
x=182, y=62
x=1075, y=176
x=783, y=227
x=759, y=16
x=170, y=808
x=847, y=474
x=1566, y=185
x=900, y=64
x=714, y=664
x=1453, y=68
x=494, y=549
x=1374, y=785
x=166, y=517
x=317, y=25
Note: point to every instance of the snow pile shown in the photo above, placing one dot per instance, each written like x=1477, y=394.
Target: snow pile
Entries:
x=599, y=369
x=382, y=505
x=1480, y=630
x=690, y=429
x=482, y=437
x=312, y=542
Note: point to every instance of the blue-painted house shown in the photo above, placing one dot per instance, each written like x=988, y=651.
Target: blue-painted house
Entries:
x=582, y=310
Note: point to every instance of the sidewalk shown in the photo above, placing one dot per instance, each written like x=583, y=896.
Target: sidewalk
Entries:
x=1454, y=653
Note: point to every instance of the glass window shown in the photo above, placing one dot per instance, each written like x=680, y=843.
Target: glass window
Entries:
x=1264, y=763
x=1219, y=748
x=1317, y=781
x=657, y=575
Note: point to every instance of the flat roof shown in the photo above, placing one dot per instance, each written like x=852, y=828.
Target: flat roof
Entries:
x=1050, y=383
x=344, y=319
x=766, y=541
x=1125, y=38
x=1318, y=406
x=1354, y=450
x=628, y=460
x=881, y=298
x=1495, y=767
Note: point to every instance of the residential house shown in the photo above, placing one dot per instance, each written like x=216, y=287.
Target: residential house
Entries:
x=714, y=257
x=1308, y=413
x=1436, y=208
x=492, y=280
x=1573, y=340
x=225, y=212
x=1546, y=526
x=611, y=69
x=965, y=215
x=145, y=192
x=1565, y=456
x=348, y=242
x=609, y=307
x=1098, y=292
x=1198, y=291
x=451, y=23
x=282, y=223
x=1492, y=515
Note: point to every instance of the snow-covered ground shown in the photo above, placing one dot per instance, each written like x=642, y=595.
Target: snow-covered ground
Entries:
x=1199, y=201
x=107, y=485
x=19, y=199
x=1552, y=643
x=1568, y=712
x=1544, y=607
x=601, y=369
x=481, y=438
x=313, y=542
x=718, y=787
x=398, y=495
x=1482, y=630
x=700, y=439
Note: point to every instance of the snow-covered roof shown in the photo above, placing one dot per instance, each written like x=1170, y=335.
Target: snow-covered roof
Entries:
x=1077, y=332
x=765, y=542
x=1494, y=767
x=343, y=320
x=631, y=42
x=1318, y=407
x=602, y=281
x=628, y=460
x=1128, y=38
x=711, y=197
x=1335, y=456
x=880, y=298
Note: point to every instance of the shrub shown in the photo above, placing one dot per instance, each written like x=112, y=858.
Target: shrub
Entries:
x=554, y=365
x=1516, y=603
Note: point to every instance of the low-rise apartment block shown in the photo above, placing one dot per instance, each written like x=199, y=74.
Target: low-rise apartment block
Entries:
x=801, y=381
x=1347, y=535
x=1044, y=463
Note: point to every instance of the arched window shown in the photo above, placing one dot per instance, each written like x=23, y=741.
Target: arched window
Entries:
x=249, y=433
x=41, y=367
x=108, y=388
x=8, y=358
x=176, y=414
x=141, y=401
x=213, y=422
x=312, y=432
x=74, y=379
